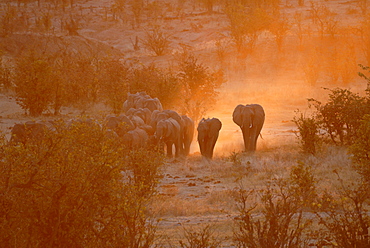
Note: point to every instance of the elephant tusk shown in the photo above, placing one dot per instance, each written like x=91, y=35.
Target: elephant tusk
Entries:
x=250, y=126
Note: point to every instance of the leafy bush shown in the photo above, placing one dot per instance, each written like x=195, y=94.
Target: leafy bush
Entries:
x=199, y=86
x=156, y=82
x=33, y=82
x=361, y=149
x=76, y=188
x=340, y=116
x=113, y=78
x=308, y=129
x=245, y=27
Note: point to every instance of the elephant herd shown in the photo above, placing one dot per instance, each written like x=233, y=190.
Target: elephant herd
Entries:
x=145, y=122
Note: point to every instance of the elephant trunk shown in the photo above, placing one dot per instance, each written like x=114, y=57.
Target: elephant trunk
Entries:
x=248, y=139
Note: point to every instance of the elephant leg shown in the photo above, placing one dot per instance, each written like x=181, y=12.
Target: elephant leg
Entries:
x=169, y=149
x=247, y=139
x=209, y=149
x=212, y=144
x=186, y=147
x=255, y=135
x=180, y=149
x=202, y=147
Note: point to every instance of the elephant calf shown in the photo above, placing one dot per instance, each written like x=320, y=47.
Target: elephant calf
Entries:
x=208, y=131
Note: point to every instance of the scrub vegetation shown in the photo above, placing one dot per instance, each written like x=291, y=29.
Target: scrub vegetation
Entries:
x=70, y=64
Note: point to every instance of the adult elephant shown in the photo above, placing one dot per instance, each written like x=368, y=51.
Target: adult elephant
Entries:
x=120, y=125
x=30, y=131
x=250, y=119
x=136, y=138
x=168, y=132
x=165, y=115
x=187, y=133
x=208, y=131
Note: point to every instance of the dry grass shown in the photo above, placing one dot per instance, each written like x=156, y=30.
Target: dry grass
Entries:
x=212, y=198
x=207, y=188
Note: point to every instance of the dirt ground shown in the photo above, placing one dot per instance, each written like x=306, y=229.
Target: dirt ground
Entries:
x=274, y=79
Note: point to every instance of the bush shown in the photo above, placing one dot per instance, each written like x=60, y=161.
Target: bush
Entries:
x=361, y=149
x=340, y=116
x=81, y=79
x=308, y=129
x=6, y=83
x=199, y=86
x=114, y=80
x=157, y=41
x=281, y=223
x=201, y=237
x=344, y=215
x=245, y=27
x=76, y=188
x=34, y=77
x=156, y=82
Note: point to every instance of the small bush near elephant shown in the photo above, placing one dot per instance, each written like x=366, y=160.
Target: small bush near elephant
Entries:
x=308, y=129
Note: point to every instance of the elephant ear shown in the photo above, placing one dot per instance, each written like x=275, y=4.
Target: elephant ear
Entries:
x=217, y=125
x=203, y=129
x=258, y=114
x=237, y=115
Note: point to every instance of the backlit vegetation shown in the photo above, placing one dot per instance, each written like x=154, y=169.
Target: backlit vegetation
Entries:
x=78, y=187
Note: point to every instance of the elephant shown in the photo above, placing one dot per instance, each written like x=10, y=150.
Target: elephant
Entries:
x=250, y=119
x=30, y=131
x=167, y=114
x=141, y=100
x=120, y=125
x=153, y=104
x=144, y=113
x=168, y=132
x=136, y=138
x=187, y=134
x=208, y=131
x=134, y=100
